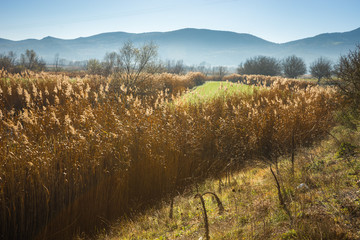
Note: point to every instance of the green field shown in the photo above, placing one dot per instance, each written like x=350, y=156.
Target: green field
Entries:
x=213, y=89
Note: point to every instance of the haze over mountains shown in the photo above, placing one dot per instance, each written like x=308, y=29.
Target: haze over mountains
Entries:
x=193, y=46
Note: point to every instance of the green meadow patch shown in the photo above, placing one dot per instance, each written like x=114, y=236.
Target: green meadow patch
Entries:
x=214, y=89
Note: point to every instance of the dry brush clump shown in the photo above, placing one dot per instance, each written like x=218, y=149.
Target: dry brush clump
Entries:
x=75, y=154
x=262, y=80
x=29, y=89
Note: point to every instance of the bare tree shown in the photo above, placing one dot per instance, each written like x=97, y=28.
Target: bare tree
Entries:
x=57, y=62
x=220, y=71
x=109, y=63
x=78, y=65
x=204, y=68
x=293, y=66
x=28, y=59
x=8, y=61
x=321, y=68
x=348, y=74
x=133, y=61
x=94, y=66
x=179, y=67
x=155, y=67
x=176, y=67
x=31, y=61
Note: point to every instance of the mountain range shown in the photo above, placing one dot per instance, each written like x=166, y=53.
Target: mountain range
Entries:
x=193, y=46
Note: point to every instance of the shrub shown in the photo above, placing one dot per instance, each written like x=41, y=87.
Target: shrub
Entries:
x=197, y=78
x=321, y=68
x=348, y=73
x=293, y=66
x=345, y=150
x=261, y=65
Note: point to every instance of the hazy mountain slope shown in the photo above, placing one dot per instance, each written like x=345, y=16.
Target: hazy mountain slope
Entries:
x=192, y=45
x=328, y=44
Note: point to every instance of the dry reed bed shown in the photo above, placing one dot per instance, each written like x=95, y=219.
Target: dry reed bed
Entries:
x=77, y=153
x=267, y=80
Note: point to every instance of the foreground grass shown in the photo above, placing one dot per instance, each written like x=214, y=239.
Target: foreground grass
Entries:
x=322, y=197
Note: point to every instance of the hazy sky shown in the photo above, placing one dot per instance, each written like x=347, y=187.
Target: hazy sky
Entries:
x=274, y=20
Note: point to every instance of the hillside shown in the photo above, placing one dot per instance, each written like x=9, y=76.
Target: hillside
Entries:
x=194, y=46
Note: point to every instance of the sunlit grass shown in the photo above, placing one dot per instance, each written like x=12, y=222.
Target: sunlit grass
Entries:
x=214, y=89
x=328, y=208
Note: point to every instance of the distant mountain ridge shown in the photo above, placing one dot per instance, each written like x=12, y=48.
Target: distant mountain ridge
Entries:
x=194, y=46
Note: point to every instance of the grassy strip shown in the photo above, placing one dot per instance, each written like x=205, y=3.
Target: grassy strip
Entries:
x=214, y=89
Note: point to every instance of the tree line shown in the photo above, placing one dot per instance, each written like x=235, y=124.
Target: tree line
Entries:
x=29, y=60
x=290, y=67
x=131, y=61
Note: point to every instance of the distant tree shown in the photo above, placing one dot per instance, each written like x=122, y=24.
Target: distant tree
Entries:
x=204, y=68
x=28, y=60
x=94, y=67
x=179, y=67
x=293, y=66
x=133, y=61
x=12, y=58
x=31, y=61
x=62, y=62
x=260, y=65
x=79, y=65
x=321, y=68
x=220, y=71
x=155, y=67
x=109, y=64
x=176, y=67
x=57, y=62
x=8, y=62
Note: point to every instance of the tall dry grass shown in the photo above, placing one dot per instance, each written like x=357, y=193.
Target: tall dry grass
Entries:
x=267, y=80
x=77, y=153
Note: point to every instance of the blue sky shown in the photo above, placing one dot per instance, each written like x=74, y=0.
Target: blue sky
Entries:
x=274, y=20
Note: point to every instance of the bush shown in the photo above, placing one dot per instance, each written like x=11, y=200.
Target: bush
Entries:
x=345, y=150
x=197, y=78
x=293, y=66
x=260, y=65
x=348, y=73
x=321, y=68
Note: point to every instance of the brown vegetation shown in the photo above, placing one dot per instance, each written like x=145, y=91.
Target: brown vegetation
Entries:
x=266, y=80
x=75, y=153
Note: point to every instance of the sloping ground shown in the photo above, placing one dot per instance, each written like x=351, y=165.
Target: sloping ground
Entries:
x=322, y=198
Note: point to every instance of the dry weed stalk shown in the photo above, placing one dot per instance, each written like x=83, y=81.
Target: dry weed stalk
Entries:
x=206, y=222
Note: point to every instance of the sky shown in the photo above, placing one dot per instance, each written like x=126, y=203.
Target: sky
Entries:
x=278, y=21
